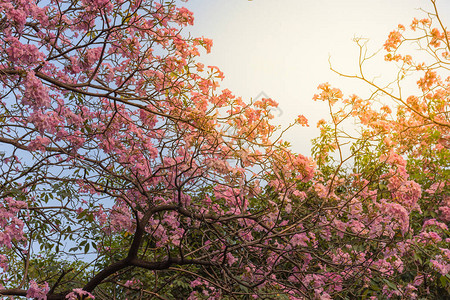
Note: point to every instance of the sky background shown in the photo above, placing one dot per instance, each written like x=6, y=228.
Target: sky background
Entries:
x=282, y=48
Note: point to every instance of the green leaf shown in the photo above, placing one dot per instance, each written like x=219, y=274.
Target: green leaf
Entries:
x=390, y=284
x=86, y=248
x=417, y=257
x=443, y=281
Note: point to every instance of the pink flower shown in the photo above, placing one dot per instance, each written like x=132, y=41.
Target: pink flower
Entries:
x=434, y=222
x=12, y=227
x=39, y=143
x=444, y=213
x=36, y=95
x=441, y=263
x=208, y=44
x=195, y=283
x=186, y=16
x=397, y=212
x=91, y=57
x=23, y=54
x=231, y=259
x=393, y=41
x=302, y=120
x=299, y=239
x=4, y=264
x=79, y=292
x=133, y=283
x=95, y=5
x=37, y=291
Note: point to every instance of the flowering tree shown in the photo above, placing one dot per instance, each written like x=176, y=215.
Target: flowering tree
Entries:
x=397, y=170
x=121, y=159
x=127, y=173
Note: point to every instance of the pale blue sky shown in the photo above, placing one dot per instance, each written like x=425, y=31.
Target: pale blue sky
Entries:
x=282, y=47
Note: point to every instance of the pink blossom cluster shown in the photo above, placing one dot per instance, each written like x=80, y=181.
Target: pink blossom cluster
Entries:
x=38, y=291
x=27, y=55
x=77, y=293
x=12, y=226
